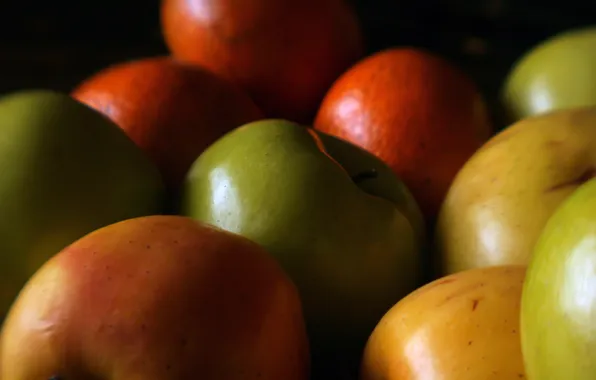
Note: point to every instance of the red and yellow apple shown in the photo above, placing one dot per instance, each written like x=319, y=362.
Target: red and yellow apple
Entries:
x=155, y=298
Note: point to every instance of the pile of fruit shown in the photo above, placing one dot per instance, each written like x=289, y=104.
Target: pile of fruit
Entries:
x=270, y=203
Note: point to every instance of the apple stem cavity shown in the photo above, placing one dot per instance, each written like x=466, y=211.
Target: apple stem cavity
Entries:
x=365, y=175
x=584, y=177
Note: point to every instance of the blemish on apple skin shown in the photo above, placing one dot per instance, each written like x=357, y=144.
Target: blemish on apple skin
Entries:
x=440, y=282
x=475, y=303
x=554, y=143
x=460, y=292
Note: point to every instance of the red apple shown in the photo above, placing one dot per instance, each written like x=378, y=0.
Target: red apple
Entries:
x=155, y=298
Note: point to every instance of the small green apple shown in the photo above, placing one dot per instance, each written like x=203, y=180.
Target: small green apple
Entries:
x=558, y=311
x=556, y=74
x=65, y=170
x=339, y=221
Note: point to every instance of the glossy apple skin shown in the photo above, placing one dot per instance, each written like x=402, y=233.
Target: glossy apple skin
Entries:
x=558, y=317
x=500, y=201
x=284, y=53
x=461, y=327
x=160, y=297
x=352, y=251
x=65, y=171
x=171, y=110
x=414, y=110
x=558, y=73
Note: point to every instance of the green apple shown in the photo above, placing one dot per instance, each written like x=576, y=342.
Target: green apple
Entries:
x=558, y=310
x=65, y=170
x=557, y=73
x=339, y=221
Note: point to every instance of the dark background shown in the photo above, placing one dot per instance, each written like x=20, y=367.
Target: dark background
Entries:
x=55, y=44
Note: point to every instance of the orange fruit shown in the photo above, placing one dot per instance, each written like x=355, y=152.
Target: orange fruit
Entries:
x=416, y=111
x=172, y=110
x=285, y=53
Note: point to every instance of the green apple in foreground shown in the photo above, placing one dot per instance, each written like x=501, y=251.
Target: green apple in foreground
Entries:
x=558, y=311
x=346, y=229
x=65, y=170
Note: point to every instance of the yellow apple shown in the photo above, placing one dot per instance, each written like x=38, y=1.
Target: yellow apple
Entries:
x=460, y=327
x=501, y=199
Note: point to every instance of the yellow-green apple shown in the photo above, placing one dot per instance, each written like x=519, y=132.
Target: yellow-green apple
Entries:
x=558, y=311
x=157, y=298
x=65, y=170
x=460, y=327
x=502, y=197
x=339, y=221
x=558, y=73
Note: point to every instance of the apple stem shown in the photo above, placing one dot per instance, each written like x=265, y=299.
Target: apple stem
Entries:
x=364, y=175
